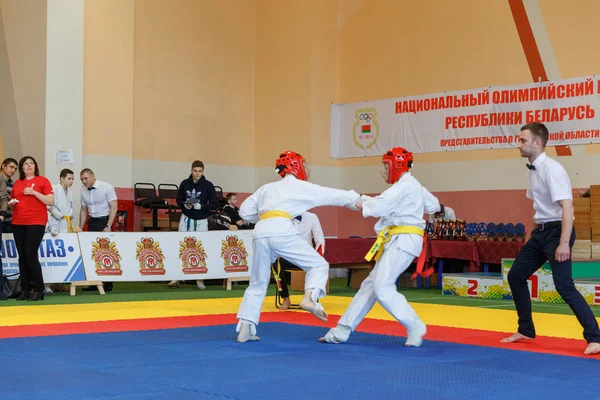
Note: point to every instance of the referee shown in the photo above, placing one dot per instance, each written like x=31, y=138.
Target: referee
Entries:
x=550, y=189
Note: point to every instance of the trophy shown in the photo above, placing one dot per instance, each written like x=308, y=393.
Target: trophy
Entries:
x=511, y=232
x=444, y=229
x=450, y=229
x=481, y=231
x=430, y=230
x=456, y=230
x=471, y=231
x=520, y=232
x=462, y=234
x=501, y=232
x=491, y=231
x=437, y=234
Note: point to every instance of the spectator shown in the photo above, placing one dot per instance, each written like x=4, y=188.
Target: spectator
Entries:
x=9, y=168
x=232, y=210
x=445, y=214
x=99, y=202
x=196, y=197
x=4, y=198
x=30, y=195
x=60, y=215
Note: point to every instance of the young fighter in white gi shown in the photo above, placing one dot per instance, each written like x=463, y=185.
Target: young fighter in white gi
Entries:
x=400, y=239
x=61, y=213
x=272, y=207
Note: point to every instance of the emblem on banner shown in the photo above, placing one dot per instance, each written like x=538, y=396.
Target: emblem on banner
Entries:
x=365, y=130
x=193, y=256
x=234, y=254
x=150, y=257
x=106, y=257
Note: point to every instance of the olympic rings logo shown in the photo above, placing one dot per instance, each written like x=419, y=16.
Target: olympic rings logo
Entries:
x=367, y=117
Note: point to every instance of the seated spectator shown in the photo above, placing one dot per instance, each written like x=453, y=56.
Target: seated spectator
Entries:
x=232, y=210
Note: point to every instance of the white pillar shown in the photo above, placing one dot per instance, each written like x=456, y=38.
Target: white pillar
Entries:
x=64, y=89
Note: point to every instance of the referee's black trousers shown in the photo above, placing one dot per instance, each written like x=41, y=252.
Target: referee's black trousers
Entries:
x=541, y=247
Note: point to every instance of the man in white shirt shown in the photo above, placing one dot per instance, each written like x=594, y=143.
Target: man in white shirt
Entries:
x=550, y=189
x=445, y=213
x=99, y=202
x=309, y=227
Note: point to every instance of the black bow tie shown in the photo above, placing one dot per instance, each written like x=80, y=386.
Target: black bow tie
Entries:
x=530, y=167
x=91, y=188
x=299, y=218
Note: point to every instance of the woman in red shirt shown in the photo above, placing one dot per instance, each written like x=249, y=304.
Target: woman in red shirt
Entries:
x=30, y=195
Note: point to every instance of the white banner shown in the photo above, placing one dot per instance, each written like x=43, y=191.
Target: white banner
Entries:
x=162, y=256
x=59, y=256
x=482, y=118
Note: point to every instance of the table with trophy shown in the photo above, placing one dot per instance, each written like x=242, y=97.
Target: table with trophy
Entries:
x=478, y=243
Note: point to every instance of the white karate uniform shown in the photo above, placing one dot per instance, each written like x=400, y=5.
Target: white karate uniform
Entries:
x=279, y=237
x=187, y=224
x=310, y=229
x=63, y=206
x=404, y=203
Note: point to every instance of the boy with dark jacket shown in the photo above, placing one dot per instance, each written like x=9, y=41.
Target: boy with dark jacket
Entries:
x=196, y=197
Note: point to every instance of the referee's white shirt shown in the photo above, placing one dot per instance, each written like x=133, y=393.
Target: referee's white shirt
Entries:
x=546, y=185
x=96, y=200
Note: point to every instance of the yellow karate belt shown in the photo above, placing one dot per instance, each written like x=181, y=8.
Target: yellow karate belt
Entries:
x=277, y=274
x=68, y=219
x=275, y=214
x=385, y=235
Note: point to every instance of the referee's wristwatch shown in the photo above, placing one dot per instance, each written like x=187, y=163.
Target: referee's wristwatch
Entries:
x=108, y=227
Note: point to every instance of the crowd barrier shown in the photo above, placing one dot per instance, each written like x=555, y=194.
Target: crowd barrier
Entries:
x=138, y=256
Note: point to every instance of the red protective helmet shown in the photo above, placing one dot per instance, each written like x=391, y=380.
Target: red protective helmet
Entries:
x=399, y=160
x=290, y=162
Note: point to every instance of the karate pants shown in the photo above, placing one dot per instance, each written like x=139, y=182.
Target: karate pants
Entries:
x=295, y=250
x=381, y=286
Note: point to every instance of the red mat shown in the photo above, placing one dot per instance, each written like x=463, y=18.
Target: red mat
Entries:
x=550, y=345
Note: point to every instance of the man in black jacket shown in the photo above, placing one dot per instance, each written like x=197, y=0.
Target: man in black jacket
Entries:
x=196, y=197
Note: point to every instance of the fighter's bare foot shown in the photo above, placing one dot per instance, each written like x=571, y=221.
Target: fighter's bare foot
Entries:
x=286, y=304
x=515, y=337
x=325, y=339
x=339, y=334
x=247, y=338
x=315, y=308
x=592, y=349
x=246, y=335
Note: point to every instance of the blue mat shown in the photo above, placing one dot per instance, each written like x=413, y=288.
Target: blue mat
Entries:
x=288, y=363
